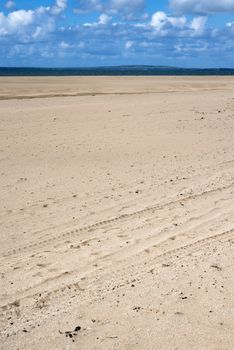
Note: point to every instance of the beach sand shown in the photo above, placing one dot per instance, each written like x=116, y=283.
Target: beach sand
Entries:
x=117, y=213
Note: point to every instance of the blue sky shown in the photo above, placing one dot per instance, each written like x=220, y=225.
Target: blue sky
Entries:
x=72, y=33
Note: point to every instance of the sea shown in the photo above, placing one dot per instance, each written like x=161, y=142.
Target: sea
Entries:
x=115, y=71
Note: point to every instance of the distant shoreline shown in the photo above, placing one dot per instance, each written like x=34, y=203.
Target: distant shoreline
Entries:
x=116, y=71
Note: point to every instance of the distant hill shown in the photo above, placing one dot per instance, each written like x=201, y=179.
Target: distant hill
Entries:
x=116, y=70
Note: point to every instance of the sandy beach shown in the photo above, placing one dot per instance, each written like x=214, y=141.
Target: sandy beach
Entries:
x=117, y=213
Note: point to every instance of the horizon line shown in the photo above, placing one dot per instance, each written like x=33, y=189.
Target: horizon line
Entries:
x=118, y=66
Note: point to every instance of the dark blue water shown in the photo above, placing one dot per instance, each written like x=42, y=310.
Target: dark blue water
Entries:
x=110, y=71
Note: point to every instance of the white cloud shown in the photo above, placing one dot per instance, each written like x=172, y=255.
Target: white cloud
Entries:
x=64, y=45
x=15, y=21
x=132, y=5
x=198, y=25
x=128, y=45
x=81, y=45
x=160, y=20
x=28, y=25
x=202, y=6
x=123, y=7
x=190, y=47
x=10, y=4
x=178, y=25
x=104, y=19
x=59, y=7
x=38, y=33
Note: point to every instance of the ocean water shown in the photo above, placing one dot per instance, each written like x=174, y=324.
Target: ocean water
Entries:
x=114, y=71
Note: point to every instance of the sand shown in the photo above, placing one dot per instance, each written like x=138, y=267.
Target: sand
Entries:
x=117, y=213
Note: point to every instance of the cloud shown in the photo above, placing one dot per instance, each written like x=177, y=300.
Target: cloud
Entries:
x=129, y=45
x=122, y=7
x=160, y=21
x=104, y=19
x=59, y=7
x=198, y=25
x=230, y=25
x=36, y=37
x=165, y=25
x=15, y=21
x=202, y=6
x=126, y=5
x=64, y=45
x=10, y=4
x=26, y=25
x=30, y=25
